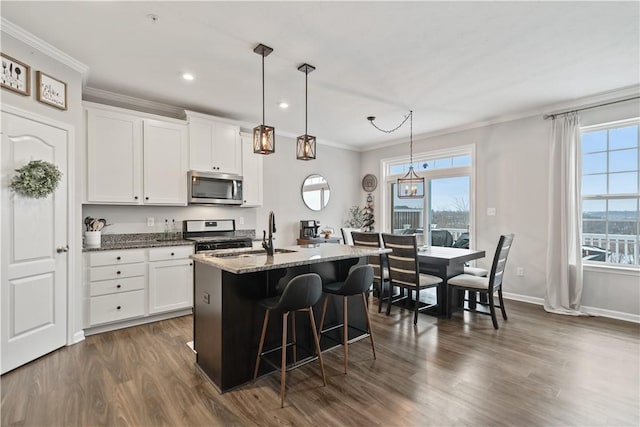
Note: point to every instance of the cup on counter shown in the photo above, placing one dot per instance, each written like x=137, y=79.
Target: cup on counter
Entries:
x=92, y=238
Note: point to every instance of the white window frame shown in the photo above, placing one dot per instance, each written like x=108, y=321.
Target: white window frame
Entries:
x=595, y=265
x=429, y=174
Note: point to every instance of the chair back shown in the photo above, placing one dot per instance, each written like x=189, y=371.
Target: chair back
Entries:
x=346, y=235
x=371, y=240
x=358, y=281
x=500, y=261
x=302, y=291
x=403, y=260
x=441, y=238
x=462, y=241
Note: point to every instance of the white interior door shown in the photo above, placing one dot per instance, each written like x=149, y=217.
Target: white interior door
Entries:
x=34, y=243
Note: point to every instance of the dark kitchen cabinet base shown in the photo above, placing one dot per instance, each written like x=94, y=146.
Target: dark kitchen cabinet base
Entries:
x=228, y=319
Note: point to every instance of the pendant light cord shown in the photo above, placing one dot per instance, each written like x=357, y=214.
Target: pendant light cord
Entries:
x=306, y=97
x=411, y=137
x=263, y=121
x=371, y=119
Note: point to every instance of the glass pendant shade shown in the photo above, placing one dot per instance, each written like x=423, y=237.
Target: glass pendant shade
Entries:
x=306, y=147
x=264, y=139
x=410, y=186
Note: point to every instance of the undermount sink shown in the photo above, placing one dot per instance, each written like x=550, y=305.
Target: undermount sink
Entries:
x=247, y=254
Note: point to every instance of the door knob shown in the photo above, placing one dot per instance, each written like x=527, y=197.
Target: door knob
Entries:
x=61, y=249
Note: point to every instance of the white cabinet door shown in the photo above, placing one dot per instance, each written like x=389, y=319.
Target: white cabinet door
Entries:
x=251, y=174
x=114, y=149
x=201, y=134
x=227, y=149
x=165, y=163
x=214, y=146
x=33, y=296
x=170, y=285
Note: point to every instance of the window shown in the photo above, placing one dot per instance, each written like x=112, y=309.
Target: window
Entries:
x=444, y=216
x=610, y=193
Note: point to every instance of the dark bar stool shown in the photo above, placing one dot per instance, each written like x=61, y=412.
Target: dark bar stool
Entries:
x=300, y=294
x=357, y=283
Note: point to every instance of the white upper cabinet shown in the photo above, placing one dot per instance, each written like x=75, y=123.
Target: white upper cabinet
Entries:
x=213, y=146
x=133, y=159
x=165, y=163
x=114, y=156
x=251, y=173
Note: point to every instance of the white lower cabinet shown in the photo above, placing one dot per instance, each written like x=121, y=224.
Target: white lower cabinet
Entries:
x=129, y=284
x=170, y=279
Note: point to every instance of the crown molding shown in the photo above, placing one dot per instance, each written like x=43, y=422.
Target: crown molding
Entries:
x=26, y=37
x=587, y=101
x=111, y=98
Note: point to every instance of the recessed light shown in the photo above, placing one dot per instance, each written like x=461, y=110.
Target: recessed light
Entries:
x=187, y=76
x=283, y=105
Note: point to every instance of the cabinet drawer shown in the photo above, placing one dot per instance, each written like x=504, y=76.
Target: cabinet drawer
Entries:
x=117, y=271
x=109, y=308
x=126, y=284
x=170, y=252
x=125, y=256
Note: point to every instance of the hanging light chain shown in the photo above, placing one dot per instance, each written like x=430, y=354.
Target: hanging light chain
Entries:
x=371, y=119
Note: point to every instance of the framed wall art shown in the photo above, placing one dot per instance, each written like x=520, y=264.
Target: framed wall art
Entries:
x=16, y=75
x=51, y=91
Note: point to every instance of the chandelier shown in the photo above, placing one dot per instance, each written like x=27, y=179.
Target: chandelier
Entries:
x=410, y=186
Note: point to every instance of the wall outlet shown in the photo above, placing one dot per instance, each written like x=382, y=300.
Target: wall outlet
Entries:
x=241, y=220
x=491, y=211
x=151, y=221
x=520, y=271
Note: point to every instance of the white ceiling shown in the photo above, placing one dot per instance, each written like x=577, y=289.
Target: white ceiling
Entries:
x=453, y=63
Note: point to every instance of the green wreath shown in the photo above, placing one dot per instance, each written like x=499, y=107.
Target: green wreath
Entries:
x=36, y=179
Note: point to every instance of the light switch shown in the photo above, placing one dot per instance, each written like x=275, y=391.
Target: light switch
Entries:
x=491, y=211
x=205, y=298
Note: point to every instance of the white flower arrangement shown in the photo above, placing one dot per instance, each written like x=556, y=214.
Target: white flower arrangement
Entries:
x=36, y=179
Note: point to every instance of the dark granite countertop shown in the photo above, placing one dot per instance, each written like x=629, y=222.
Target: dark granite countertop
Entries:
x=133, y=241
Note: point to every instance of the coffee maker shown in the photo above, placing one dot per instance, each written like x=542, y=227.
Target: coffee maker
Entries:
x=309, y=228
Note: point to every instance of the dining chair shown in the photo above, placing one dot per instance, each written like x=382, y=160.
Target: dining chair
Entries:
x=380, y=270
x=487, y=286
x=404, y=271
x=346, y=235
x=441, y=238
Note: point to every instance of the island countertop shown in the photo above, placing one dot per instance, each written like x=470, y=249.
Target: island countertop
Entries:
x=240, y=261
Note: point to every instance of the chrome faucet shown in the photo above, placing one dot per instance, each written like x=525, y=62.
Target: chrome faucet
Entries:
x=268, y=245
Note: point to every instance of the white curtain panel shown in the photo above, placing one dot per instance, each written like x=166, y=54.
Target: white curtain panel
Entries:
x=564, y=233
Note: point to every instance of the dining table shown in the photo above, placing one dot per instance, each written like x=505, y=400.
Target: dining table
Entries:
x=445, y=263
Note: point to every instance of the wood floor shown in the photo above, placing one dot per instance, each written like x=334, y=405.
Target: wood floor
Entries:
x=537, y=370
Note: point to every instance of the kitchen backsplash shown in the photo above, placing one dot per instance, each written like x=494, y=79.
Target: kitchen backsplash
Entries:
x=134, y=219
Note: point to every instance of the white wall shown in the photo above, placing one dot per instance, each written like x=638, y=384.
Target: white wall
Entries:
x=283, y=178
x=512, y=161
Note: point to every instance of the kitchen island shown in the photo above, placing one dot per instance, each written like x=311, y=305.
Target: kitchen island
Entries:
x=227, y=318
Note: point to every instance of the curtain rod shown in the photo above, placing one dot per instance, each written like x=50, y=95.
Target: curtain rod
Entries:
x=554, y=115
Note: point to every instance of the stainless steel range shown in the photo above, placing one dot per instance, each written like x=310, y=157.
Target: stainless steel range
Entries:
x=213, y=234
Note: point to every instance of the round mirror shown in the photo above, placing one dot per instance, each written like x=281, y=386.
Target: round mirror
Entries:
x=315, y=192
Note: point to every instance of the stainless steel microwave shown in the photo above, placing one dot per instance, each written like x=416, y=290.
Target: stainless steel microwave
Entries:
x=211, y=188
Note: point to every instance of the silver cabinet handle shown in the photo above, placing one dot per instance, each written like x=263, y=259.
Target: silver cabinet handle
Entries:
x=61, y=249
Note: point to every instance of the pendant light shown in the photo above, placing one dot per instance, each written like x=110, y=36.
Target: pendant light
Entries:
x=410, y=186
x=264, y=137
x=306, y=144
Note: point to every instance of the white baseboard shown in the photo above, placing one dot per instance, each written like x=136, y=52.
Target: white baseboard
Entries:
x=77, y=337
x=595, y=311
x=135, y=322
